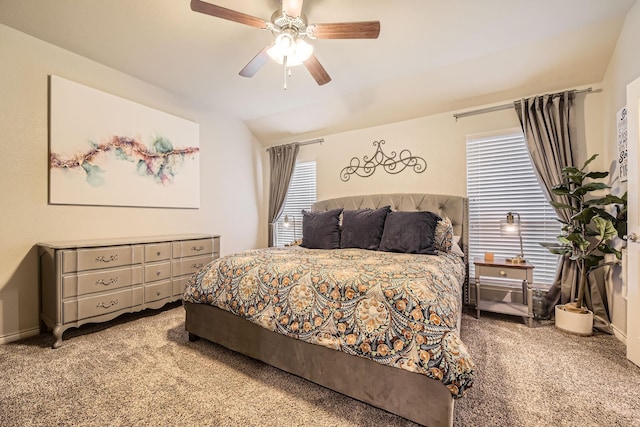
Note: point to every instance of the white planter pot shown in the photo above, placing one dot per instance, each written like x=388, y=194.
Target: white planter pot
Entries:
x=574, y=323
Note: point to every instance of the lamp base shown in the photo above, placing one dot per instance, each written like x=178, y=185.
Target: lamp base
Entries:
x=516, y=260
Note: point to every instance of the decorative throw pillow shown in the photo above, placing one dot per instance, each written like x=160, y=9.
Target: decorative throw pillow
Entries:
x=363, y=228
x=455, y=247
x=409, y=232
x=443, y=240
x=320, y=230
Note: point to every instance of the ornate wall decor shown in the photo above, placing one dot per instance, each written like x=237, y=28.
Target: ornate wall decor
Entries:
x=389, y=163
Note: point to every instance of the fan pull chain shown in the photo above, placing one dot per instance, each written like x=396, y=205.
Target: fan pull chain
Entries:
x=284, y=63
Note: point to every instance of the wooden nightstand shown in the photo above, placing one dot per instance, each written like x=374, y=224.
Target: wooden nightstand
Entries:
x=499, y=267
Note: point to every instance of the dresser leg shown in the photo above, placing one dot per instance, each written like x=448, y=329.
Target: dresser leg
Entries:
x=193, y=337
x=57, y=334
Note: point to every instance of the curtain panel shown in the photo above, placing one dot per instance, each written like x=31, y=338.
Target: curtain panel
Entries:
x=548, y=124
x=282, y=160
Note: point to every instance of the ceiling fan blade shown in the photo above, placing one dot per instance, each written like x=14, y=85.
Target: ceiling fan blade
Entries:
x=317, y=71
x=292, y=8
x=345, y=30
x=256, y=63
x=224, y=13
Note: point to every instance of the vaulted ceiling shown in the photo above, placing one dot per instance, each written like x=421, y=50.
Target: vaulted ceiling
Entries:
x=431, y=56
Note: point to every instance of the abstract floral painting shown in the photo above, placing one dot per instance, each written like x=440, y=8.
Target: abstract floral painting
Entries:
x=109, y=151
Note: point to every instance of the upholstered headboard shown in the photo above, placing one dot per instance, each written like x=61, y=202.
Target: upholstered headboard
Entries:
x=454, y=207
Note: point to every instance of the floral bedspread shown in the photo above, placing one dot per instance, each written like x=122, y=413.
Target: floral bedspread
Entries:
x=400, y=310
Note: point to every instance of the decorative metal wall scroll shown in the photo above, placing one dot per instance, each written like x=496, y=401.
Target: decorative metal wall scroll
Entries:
x=388, y=162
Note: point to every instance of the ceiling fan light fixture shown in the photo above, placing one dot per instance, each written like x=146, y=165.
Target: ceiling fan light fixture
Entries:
x=285, y=42
x=303, y=50
x=296, y=52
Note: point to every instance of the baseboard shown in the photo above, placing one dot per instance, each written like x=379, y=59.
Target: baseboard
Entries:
x=622, y=336
x=20, y=335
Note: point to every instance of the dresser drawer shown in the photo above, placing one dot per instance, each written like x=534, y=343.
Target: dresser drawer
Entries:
x=106, y=257
x=507, y=273
x=157, y=252
x=179, y=285
x=157, y=291
x=193, y=247
x=190, y=265
x=100, y=281
x=84, y=308
x=157, y=271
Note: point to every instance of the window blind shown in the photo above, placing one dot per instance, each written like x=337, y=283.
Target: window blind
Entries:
x=300, y=196
x=501, y=179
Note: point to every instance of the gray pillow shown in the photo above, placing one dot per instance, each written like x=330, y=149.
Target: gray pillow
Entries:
x=409, y=232
x=363, y=228
x=320, y=230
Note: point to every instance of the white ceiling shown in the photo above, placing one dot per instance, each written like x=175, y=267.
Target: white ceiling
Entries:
x=432, y=55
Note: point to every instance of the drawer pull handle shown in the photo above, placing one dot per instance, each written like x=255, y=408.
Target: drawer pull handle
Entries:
x=108, y=304
x=503, y=273
x=107, y=282
x=105, y=260
x=157, y=293
x=157, y=273
x=197, y=265
x=197, y=248
x=158, y=253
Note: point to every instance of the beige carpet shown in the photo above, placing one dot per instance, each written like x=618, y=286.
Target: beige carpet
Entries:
x=141, y=370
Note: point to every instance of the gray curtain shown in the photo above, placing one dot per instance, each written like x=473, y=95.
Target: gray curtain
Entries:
x=548, y=123
x=282, y=163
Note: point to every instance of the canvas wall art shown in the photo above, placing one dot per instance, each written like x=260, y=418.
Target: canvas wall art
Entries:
x=109, y=151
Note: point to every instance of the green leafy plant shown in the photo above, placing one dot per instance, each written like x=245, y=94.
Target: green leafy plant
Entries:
x=589, y=234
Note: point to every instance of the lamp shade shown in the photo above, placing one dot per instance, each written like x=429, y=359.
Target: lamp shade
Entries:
x=288, y=219
x=511, y=225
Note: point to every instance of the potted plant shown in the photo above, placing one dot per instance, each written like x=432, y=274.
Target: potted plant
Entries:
x=587, y=237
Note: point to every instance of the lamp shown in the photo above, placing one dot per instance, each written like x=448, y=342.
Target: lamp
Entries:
x=286, y=224
x=510, y=226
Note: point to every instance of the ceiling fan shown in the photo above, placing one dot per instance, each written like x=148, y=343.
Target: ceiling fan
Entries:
x=290, y=26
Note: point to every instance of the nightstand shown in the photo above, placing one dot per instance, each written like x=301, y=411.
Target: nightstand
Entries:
x=499, y=267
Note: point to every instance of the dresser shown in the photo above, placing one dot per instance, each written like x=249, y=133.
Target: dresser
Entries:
x=90, y=281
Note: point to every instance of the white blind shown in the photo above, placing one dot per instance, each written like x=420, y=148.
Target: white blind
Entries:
x=500, y=179
x=300, y=196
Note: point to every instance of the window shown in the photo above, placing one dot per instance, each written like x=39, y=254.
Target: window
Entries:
x=300, y=196
x=501, y=179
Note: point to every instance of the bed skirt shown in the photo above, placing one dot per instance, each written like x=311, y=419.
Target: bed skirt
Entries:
x=410, y=395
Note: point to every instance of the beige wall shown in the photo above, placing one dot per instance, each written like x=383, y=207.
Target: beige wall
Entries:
x=230, y=168
x=439, y=139
x=624, y=67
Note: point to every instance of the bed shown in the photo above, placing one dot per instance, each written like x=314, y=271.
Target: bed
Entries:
x=359, y=321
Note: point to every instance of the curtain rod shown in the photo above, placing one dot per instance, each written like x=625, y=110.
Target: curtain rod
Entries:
x=506, y=106
x=311, y=141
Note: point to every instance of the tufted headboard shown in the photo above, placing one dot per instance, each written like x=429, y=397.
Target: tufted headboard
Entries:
x=454, y=207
